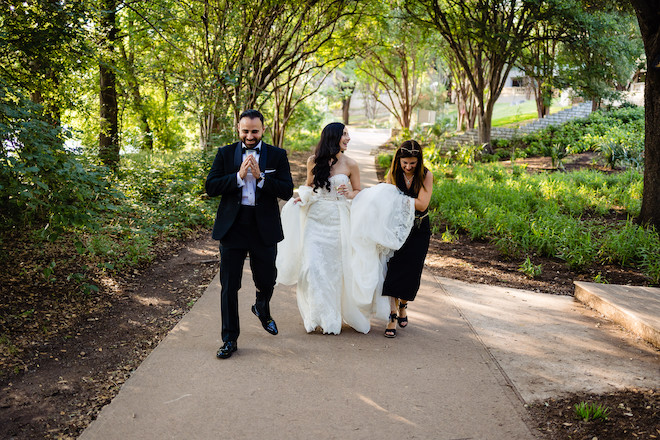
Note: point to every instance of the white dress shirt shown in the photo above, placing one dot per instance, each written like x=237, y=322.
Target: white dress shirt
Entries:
x=249, y=184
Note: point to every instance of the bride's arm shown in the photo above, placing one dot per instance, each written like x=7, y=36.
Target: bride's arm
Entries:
x=424, y=197
x=355, y=179
x=310, y=176
x=310, y=167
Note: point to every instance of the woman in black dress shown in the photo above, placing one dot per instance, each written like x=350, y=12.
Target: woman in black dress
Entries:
x=404, y=270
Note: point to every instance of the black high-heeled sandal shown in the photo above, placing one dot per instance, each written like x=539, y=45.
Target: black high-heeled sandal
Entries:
x=391, y=332
x=403, y=322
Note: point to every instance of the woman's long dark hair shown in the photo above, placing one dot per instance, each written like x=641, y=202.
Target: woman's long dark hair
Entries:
x=325, y=154
x=408, y=149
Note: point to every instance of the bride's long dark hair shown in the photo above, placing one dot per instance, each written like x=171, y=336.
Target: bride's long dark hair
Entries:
x=325, y=154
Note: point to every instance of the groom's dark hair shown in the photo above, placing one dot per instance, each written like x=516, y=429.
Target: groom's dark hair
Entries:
x=252, y=114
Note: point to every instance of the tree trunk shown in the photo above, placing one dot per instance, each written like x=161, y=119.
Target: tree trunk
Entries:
x=485, y=124
x=345, y=108
x=543, y=97
x=206, y=123
x=471, y=109
x=649, y=24
x=109, y=135
x=406, y=114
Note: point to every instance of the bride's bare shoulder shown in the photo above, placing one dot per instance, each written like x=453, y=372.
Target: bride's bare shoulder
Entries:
x=350, y=161
x=352, y=164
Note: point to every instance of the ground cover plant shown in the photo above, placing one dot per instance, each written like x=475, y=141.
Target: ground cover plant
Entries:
x=582, y=217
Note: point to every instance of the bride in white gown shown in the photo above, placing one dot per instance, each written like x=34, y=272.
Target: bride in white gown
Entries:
x=316, y=251
x=338, y=274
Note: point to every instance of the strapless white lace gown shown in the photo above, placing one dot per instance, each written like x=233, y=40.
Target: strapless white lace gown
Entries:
x=338, y=282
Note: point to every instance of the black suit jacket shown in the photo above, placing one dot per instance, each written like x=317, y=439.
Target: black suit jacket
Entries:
x=221, y=181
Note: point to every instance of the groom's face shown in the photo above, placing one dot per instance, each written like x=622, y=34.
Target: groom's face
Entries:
x=250, y=131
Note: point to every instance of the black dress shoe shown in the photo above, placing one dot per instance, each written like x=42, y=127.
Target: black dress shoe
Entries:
x=266, y=322
x=227, y=349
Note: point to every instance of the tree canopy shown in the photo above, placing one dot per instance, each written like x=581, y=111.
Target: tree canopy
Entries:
x=170, y=75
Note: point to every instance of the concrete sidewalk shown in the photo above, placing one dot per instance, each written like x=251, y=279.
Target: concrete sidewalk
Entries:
x=470, y=359
x=436, y=380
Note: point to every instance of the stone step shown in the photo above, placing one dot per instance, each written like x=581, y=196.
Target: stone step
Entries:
x=635, y=308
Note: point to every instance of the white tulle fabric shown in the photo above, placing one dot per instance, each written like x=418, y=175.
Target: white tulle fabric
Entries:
x=381, y=220
x=336, y=252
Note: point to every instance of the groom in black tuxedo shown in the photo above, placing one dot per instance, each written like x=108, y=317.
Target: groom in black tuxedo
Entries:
x=250, y=175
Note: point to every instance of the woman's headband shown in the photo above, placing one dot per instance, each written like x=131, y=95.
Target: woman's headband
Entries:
x=410, y=151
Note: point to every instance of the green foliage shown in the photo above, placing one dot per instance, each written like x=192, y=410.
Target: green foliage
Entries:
x=633, y=245
x=41, y=183
x=449, y=236
x=304, y=128
x=41, y=43
x=602, y=52
x=384, y=160
x=529, y=269
x=591, y=411
x=164, y=198
x=548, y=214
x=165, y=190
x=618, y=135
x=466, y=154
x=600, y=278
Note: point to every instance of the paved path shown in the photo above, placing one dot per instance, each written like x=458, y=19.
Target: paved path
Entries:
x=462, y=370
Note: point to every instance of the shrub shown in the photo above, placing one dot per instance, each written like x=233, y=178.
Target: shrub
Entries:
x=623, y=127
x=42, y=185
x=384, y=160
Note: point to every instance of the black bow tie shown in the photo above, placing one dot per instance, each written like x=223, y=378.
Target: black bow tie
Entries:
x=258, y=150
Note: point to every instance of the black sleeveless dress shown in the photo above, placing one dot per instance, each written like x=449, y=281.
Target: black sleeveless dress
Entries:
x=404, y=270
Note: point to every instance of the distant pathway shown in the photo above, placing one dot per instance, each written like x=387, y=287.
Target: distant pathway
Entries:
x=363, y=141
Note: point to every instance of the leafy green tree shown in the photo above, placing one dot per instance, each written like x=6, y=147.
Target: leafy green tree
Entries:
x=41, y=43
x=398, y=63
x=466, y=102
x=486, y=37
x=539, y=60
x=345, y=82
x=291, y=89
x=128, y=61
x=231, y=53
x=303, y=77
x=42, y=185
x=599, y=52
x=109, y=135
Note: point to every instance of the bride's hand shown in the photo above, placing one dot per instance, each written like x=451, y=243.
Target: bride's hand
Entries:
x=296, y=200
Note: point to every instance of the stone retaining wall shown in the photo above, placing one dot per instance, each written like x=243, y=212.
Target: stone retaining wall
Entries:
x=471, y=137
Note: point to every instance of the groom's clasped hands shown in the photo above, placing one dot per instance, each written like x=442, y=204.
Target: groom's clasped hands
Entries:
x=249, y=165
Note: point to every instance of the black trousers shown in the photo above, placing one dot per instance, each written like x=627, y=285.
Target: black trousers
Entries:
x=243, y=240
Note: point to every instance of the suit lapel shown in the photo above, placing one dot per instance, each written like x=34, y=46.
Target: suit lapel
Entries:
x=262, y=157
x=238, y=155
